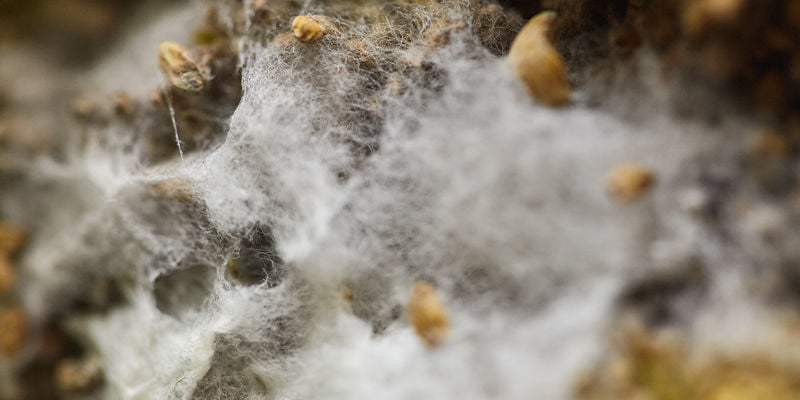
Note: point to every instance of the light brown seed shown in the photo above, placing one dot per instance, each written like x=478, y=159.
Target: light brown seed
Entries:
x=157, y=99
x=12, y=238
x=348, y=296
x=78, y=376
x=12, y=330
x=723, y=10
x=771, y=145
x=629, y=182
x=85, y=109
x=538, y=64
x=123, y=104
x=348, y=299
x=178, y=189
x=7, y=276
x=183, y=71
x=427, y=314
x=233, y=268
x=5, y=130
x=310, y=28
x=703, y=15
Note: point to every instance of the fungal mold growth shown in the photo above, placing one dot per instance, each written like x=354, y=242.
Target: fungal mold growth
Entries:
x=399, y=199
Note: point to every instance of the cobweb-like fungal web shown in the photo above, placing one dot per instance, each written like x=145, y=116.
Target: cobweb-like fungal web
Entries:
x=398, y=148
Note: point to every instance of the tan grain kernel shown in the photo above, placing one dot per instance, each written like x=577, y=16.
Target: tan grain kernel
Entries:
x=7, y=276
x=78, y=376
x=771, y=144
x=157, y=99
x=123, y=104
x=309, y=29
x=701, y=15
x=233, y=268
x=629, y=182
x=12, y=330
x=538, y=64
x=427, y=314
x=178, y=189
x=84, y=108
x=348, y=296
x=180, y=67
x=12, y=238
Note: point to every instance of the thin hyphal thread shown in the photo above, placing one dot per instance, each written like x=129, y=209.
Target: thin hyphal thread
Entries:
x=174, y=124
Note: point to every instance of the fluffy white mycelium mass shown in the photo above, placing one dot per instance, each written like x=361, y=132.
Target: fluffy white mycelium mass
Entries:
x=276, y=263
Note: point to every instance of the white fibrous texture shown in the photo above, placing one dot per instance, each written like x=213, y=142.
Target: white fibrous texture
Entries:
x=276, y=258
